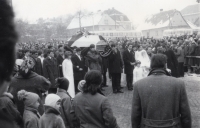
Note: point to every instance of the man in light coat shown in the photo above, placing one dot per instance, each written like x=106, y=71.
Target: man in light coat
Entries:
x=160, y=100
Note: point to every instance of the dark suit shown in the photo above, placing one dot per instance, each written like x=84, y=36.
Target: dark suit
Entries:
x=60, y=59
x=78, y=75
x=51, y=72
x=38, y=67
x=116, y=67
x=128, y=68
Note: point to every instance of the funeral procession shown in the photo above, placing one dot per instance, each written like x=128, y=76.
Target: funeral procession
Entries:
x=99, y=64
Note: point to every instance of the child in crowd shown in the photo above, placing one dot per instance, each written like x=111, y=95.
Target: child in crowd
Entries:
x=51, y=117
x=66, y=104
x=137, y=72
x=31, y=101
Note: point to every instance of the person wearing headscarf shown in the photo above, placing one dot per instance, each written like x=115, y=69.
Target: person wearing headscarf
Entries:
x=29, y=81
x=51, y=117
x=31, y=115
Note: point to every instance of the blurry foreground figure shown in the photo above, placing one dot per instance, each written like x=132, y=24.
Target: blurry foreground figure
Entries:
x=8, y=39
x=160, y=100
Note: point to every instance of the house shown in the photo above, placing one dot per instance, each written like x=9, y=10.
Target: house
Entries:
x=110, y=19
x=155, y=24
x=192, y=13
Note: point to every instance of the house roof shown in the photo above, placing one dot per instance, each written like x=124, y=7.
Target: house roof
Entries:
x=116, y=15
x=85, y=21
x=159, y=20
x=191, y=9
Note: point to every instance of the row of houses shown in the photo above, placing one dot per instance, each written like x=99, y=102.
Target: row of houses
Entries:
x=153, y=26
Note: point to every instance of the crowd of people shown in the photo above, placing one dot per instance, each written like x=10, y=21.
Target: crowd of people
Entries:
x=56, y=86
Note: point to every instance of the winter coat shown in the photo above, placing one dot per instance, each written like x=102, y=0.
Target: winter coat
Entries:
x=38, y=67
x=94, y=61
x=94, y=111
x=115, y=63
x=60, y=60
x=66, y=107
x=180, y=54
x=78, y=75
x=9, y=112
x=197, y=51
x=31, y=118
x=51, y=119
x=33, y=83
x=50, y=70
x=128, y=57
x=160, y=100
x=172, y=62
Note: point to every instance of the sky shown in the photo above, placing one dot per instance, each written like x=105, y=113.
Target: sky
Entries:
x=136, y=10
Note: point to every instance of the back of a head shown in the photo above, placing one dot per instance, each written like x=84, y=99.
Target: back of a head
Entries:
x=93, y=80
x=158, y=61
x=8, y=39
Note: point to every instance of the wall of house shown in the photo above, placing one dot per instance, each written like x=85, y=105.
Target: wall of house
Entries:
x=178, y=21
x=192, y=18
x=155, y=33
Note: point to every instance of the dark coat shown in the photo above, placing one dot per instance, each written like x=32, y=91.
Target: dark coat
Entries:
x=50, y=70
x=94, y=111
x=172, y=62
x=115, y=63
x=66, y=107
x=38, y=67
x=197, y=51
x=31, y=118
x=9, y=110
x=94, y=61
x=128, y=57
x=60, y=60
x=158, y=98
x=33, y=83
x=78, y=75
x=105, y=64
x=51, y=119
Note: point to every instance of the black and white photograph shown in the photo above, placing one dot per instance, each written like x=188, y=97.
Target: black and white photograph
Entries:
x=99, y=63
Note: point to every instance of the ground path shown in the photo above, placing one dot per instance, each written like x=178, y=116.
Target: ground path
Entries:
x=121, y=103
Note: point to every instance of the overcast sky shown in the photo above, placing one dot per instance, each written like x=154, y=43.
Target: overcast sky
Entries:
x=136, y=10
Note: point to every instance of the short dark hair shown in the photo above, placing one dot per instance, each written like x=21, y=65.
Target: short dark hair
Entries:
x=8, y=39
x=49, y=47
x=158, y=61
x=39, y=52
x=93, y=80
x=49, y=51
x=60, y=46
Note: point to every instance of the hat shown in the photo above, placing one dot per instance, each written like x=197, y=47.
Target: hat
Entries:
x=29, y=98
x=62, y=83
x=51, y=100
x=81, y=84
x=92, y=46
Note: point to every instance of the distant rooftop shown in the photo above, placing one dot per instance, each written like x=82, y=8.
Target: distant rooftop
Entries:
x=116, y=15
x=191, y=9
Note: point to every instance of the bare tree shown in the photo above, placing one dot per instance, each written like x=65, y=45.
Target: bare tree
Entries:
x=198, y=1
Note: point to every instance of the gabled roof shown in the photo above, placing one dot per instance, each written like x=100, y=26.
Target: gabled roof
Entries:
x=191, y=9
x=85, y=21
x=159, y=20
x=116, y=15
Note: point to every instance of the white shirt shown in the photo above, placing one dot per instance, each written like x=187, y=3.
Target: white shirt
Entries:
x=78, y=56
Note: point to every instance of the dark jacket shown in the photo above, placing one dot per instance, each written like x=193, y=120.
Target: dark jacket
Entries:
x=33, y=83
x=66, y=107
x=60, y=59
x=94, y=111
x=128, y=58
x=50, y=70
x=94, y=61
x=192, y=50
x=78, y=75
x=38, y=67
x=180, y=54
x=9, y=112
x=115, y=63
x=51, y=119
x=172, y=62
x=31, y=118
x=159, y=98
x=197, y=51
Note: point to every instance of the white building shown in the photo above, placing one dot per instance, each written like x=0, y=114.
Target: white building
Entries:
x=154, y=25
x=192, y=14
x=101, y=21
